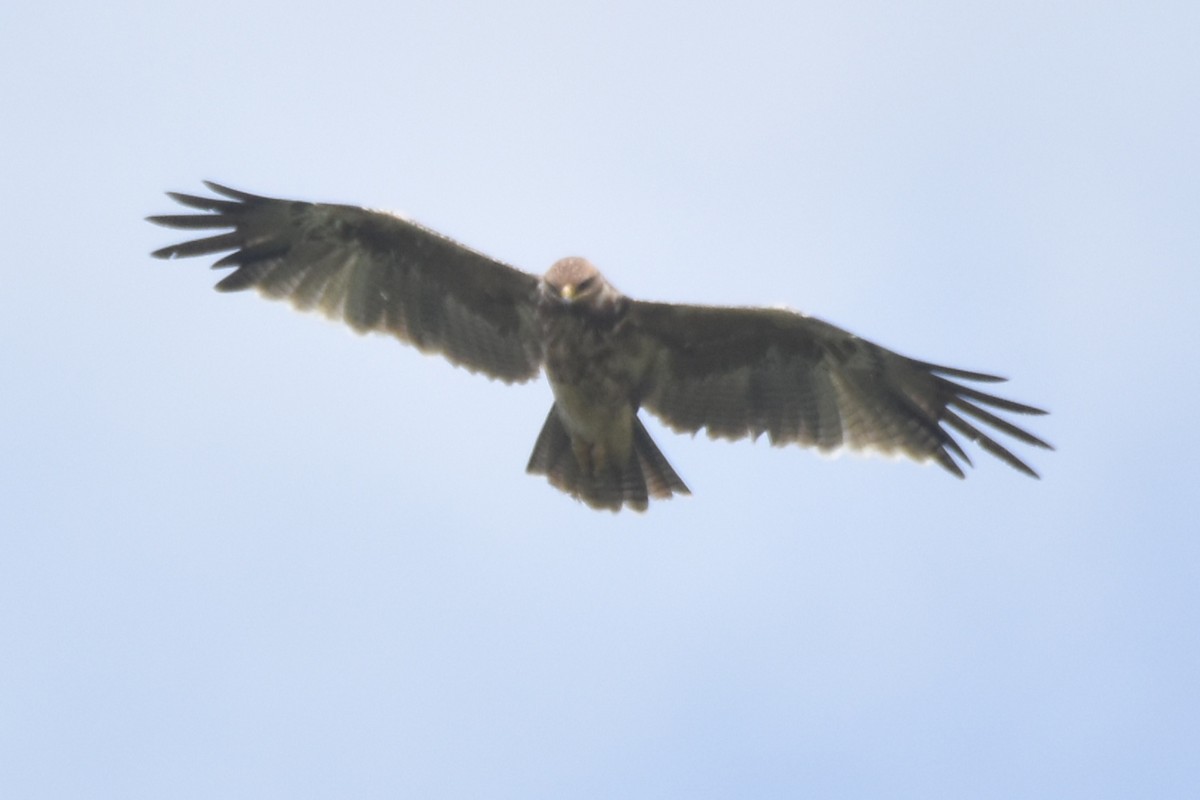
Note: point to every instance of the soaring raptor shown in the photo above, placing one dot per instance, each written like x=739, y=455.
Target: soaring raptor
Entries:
x=736, y=372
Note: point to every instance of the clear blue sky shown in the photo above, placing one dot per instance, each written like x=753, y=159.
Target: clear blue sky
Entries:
x=246, y=553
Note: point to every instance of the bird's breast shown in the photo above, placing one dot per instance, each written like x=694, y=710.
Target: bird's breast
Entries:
x=593, y=374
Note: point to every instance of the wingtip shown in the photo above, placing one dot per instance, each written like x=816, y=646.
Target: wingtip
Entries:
x=965, y=374
x=1010, y=459
x=947, y=462
x=1028, y=470
x=229, y=192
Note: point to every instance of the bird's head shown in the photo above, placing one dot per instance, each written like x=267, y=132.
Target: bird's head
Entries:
x=576, y=281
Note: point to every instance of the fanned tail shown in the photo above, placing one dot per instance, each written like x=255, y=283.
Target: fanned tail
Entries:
x=646, y=474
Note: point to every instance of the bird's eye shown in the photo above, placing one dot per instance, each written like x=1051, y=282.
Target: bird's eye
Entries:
x=585, y=284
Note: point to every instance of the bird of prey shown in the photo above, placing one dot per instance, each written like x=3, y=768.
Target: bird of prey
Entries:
x=734, y=372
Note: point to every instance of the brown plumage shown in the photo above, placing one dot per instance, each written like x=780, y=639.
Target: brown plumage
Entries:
x=735, y=372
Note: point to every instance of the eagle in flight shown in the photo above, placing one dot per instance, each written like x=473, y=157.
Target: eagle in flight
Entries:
x=736, y=372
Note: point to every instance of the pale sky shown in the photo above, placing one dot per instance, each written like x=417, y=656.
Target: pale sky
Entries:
x=247, y=553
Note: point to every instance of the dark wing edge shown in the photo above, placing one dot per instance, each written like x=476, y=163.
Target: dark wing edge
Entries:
x=742, y=372
x=373, y=270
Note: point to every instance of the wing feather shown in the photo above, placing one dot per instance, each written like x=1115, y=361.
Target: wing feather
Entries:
x=372, y=270
x=742, y=372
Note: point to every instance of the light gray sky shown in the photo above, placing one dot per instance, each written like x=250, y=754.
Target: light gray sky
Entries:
x=246, y=553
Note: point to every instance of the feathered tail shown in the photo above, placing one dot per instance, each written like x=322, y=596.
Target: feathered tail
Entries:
x=646, y=474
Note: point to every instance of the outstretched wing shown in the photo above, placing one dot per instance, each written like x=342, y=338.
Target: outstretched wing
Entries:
x=375, y=271
x=741, y=372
